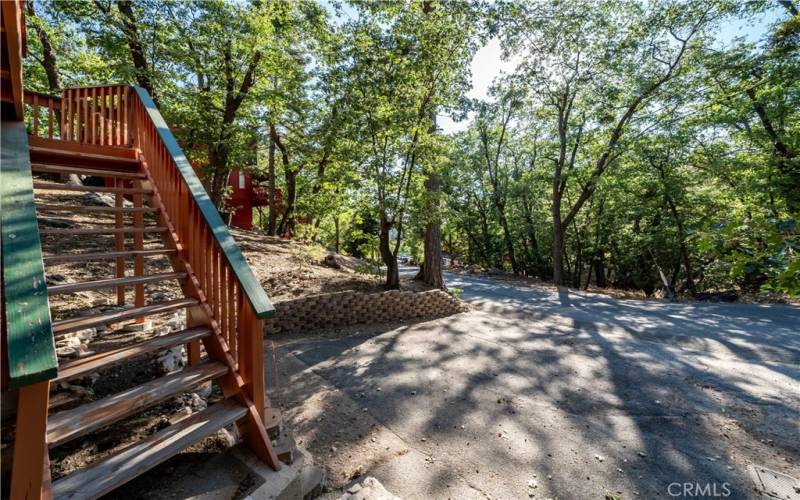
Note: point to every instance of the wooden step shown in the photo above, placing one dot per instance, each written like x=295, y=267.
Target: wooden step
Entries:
x=91, y=208
x=103, y=230
x=79, y=323
x=70, y=424
x=102, y=477
x=90, y=364
x=88, y=256
x=55, y=186
x=68, y=169
x=112, y=283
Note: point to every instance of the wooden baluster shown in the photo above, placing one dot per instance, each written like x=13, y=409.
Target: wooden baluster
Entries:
x=50, y=113
x=211, y=284
x=73, y=115
x=93, y=120
x=65, y=116
x=118, y=92
x=76, y=115
x=200, y=268
x=223, y=301
x=194, y=316
x=107, y=106
x=205, y=260
x=85, y=123
x=65, y=129
x=232, y=318
x=76, y=124
x=35, y=115
x=209, y=243
x=193, y=348
x=109, y=117
x=241, y=334
x=112, y=124
x=102, y=94
x=125, y=124
x=216, y=281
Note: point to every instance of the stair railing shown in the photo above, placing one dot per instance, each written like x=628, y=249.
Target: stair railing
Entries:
x=87, y=115
x=43, y=115
x=122, y=115
x=229, y=292
x=233, y=294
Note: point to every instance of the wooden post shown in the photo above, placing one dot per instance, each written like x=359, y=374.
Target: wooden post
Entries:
x=119, y=222
x=28, y=477
x=251, y=359
x=138, y=244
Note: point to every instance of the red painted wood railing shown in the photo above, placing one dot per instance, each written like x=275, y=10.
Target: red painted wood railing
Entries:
x=228, y=291
x=89, y=115
x=37, y=105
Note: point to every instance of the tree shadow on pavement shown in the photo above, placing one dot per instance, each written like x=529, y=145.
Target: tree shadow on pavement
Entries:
x=589, y=394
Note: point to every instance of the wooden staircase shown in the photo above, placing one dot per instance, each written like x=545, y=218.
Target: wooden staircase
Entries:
x=111, y=142
x=126, y=232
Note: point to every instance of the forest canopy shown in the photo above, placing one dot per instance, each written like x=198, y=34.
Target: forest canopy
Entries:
x=628, y=147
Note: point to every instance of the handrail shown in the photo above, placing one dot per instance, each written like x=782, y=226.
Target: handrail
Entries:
x=262, y=307
x=30, y=348
x=29, y=100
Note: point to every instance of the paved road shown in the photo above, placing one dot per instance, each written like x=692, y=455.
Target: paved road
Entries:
x=538, y=393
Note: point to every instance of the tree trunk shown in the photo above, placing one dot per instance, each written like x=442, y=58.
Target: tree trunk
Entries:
x=507, y=237
x=558, y=242
x=336, y=228
x=49, y=62
x=487, y=243
x=287, y=221
x=389, y=258
x=431, y=272
x=600, y=271
x=432, y=269
x=535, y=255
x=273, y=213
x=286, y=227
x=684, y=251
x=219, y=172
x=130, y=29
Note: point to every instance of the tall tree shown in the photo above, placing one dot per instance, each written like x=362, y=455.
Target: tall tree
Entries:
x=606, y=59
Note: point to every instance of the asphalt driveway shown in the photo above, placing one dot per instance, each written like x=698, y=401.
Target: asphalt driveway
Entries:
x=546, y=394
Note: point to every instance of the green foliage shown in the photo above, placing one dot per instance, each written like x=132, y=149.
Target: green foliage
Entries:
x=624, y=122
